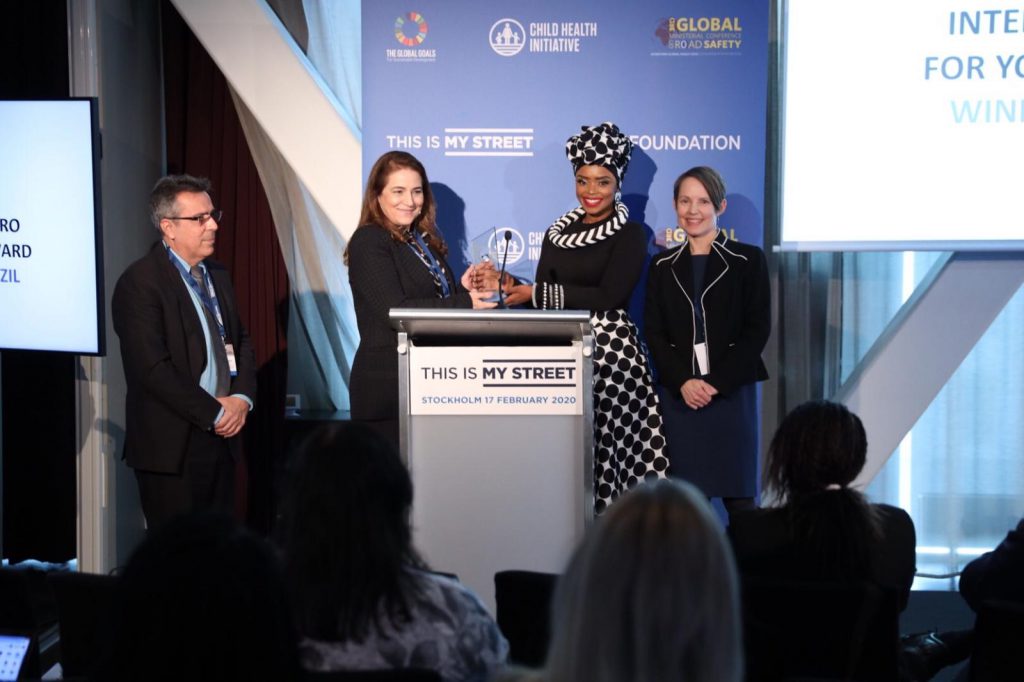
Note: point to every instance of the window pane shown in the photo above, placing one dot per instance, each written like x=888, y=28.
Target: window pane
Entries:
x=960, y=471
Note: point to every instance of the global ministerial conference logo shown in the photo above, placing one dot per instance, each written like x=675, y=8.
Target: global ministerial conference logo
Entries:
x=698, y=36
x=418, y=26
x=507, y=37
x=410, y=31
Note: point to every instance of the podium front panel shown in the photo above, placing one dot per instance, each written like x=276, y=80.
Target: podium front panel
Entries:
x=499, y=443
x=496, y=493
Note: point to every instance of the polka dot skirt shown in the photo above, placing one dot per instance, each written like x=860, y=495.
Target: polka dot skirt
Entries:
x=628, y=441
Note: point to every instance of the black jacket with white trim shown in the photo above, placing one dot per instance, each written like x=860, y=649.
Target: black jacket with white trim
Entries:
x=736, y=302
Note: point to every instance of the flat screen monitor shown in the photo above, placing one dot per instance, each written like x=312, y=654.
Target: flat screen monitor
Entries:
x=51, y=253
x=903, y=125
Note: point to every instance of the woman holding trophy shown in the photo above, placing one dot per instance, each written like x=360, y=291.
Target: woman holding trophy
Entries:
x=396, y=259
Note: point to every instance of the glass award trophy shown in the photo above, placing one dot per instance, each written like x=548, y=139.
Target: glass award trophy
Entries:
x=484, y=249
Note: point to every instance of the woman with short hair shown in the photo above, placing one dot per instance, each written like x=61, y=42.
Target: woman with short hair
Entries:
x=707, y=317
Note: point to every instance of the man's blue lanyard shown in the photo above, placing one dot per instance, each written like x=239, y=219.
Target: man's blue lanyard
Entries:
x=431, y=263
x=209, y=302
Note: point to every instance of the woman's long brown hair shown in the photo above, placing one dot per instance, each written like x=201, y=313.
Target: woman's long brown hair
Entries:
x=372, y=214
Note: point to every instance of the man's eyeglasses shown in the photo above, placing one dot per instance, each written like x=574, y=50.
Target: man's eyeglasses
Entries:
x=216, y=214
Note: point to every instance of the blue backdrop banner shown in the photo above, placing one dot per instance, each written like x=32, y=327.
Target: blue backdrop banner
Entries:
x=486, y=94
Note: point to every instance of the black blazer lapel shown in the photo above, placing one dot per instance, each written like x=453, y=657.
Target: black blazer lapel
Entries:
x=716, y=266
x=682, y=271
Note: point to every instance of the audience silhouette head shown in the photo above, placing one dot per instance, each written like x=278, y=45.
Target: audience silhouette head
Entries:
x=202, y=599
x=817, y=452
x=362, y=597
x=346, y=533
x=650, y=594
x=820, y=445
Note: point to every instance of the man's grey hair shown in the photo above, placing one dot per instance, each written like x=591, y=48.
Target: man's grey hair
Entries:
x=165, y=193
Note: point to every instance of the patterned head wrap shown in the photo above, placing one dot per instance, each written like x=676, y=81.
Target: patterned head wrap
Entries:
x=601, y=145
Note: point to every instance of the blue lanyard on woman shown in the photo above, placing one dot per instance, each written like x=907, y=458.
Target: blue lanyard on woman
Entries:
x=431, y=263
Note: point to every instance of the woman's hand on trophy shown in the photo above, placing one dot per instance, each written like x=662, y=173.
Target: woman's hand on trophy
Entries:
x=482, y=300
x=517, y=294
x=481, y=277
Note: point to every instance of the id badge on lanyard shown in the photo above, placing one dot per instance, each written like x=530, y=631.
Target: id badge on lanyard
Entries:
x=229, y=348
x=701, y=351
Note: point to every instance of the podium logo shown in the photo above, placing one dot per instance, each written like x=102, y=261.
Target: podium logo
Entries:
x=411, y=29
x=516, y=246
x=507, y=37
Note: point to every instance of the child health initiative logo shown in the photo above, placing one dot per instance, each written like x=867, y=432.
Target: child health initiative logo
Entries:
x=507, y=37
x=508, y=251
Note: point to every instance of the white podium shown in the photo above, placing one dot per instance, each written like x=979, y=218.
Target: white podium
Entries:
x=496, y=427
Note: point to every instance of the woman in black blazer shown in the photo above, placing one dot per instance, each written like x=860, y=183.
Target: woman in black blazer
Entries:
x=707, y=316
x=396, y=259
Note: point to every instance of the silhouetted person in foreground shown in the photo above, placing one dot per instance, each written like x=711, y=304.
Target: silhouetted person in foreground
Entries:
x=995, y=577
x=650, y=594
x=202, y=599
x=362, y=596
x=821, y=528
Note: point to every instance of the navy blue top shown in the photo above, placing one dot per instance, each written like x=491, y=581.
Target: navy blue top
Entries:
x=700, y=266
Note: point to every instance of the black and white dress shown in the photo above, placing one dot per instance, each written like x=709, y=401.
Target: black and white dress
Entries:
x=595, y=267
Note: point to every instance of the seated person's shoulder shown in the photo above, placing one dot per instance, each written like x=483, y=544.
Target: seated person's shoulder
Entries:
x=751, y=519
x=1017, y=533
x=893, y=519
x=479, y=643
x=451, y=595
x=757, y=529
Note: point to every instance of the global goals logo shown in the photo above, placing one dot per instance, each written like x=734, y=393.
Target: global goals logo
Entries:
x=411, y=31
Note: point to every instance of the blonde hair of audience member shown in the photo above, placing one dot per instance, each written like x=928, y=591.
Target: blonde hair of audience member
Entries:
x=651, y=594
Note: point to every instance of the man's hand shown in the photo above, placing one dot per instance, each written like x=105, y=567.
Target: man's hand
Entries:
x=233, y=419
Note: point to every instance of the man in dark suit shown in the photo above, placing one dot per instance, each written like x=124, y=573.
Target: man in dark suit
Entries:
x=189, y=366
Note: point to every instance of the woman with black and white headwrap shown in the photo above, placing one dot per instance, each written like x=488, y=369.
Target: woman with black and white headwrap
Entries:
x=591, y=259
